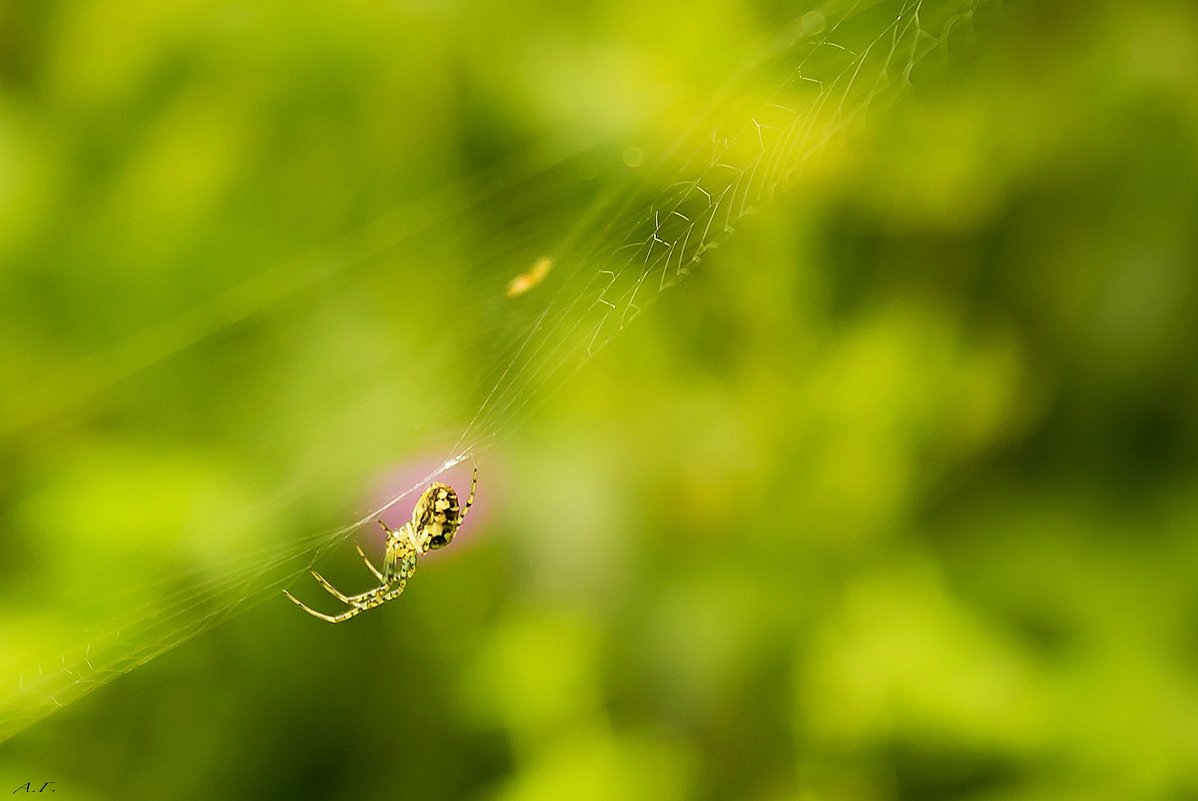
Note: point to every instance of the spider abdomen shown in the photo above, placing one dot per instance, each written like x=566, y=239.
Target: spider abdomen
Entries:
x=437, y=516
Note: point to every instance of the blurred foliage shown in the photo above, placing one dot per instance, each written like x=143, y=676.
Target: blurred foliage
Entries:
x=892, y=499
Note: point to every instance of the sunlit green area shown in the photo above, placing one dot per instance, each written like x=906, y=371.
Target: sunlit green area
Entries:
x=893, y=498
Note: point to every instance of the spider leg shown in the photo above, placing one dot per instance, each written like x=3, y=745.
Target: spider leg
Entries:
x=394, y=592
x=371, y=598
x=333, y=591
x=470, y=500
x=373, y=569
x=330, y=618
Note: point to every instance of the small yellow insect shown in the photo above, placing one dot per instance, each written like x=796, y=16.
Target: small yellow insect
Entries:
x=526, y=281
x=435, y=519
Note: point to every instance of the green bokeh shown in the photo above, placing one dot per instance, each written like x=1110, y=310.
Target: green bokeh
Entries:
x=893, y=498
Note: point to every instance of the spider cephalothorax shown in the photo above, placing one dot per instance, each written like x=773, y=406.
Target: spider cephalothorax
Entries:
x=435, y=519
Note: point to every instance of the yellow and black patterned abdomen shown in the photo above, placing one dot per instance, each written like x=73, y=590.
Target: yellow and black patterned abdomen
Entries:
x=437, y=516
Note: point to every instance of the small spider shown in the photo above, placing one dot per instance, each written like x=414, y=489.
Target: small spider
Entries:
x=435, y=520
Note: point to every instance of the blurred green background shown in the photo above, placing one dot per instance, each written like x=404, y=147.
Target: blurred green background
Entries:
x=892, y=499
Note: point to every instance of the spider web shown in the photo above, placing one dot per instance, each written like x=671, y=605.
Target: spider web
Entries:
x=781, y=113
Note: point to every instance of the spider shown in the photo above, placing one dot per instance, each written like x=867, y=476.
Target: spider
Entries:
x=435, y=519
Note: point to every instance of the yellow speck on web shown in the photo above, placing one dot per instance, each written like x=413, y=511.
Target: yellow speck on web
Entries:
x=525, y=281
